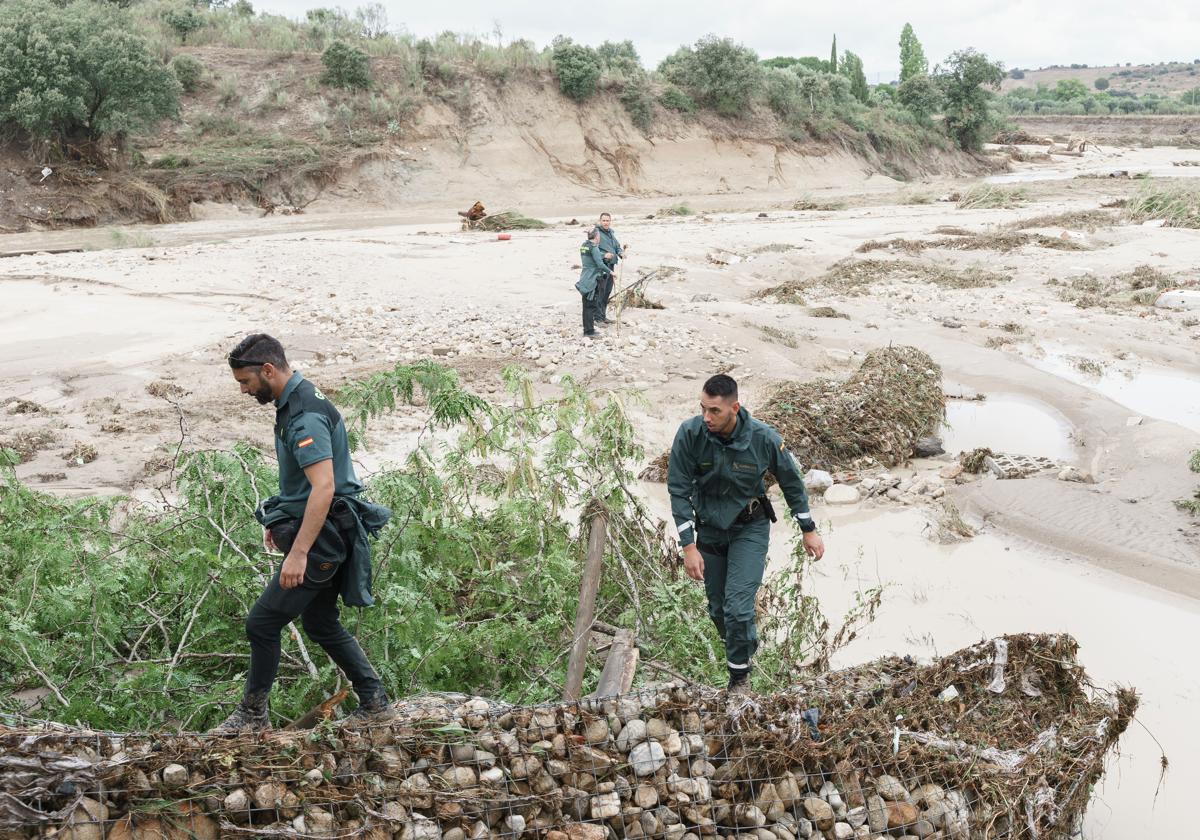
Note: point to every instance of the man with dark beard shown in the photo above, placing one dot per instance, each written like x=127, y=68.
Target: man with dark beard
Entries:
x=321, y=526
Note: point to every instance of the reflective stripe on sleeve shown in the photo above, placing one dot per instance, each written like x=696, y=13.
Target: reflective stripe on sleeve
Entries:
x=685, y=526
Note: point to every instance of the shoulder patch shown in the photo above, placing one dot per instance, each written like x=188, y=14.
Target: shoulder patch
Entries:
x=303, y=443
x=782, y=445
x=317, y=393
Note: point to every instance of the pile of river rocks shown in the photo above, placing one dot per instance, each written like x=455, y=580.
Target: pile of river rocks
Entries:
x=480, y=772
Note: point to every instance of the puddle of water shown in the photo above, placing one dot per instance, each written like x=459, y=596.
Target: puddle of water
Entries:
x=1008, y=423
x=939, y=598
x=1155, y=392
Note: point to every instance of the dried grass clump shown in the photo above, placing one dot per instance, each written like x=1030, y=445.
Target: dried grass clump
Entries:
x=991, y=197
x=809, y=204
x=1178, y=206
x=1141, y=286
x=894, y=398
x=995, y=240
x=28, y=443
x=975, y=461
x=853, y=276
x=656, y=470
x=508, y=220
x=636, y=299
x=827, y=312
x=1088, y=220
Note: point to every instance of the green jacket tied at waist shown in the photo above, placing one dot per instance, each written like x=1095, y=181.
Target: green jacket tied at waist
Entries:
x=357, y=520
x=593, y=269
x=711, y=480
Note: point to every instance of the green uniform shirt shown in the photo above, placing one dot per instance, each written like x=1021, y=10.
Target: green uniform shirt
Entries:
x=592, y=269
x=712, y=480
x=308, y=430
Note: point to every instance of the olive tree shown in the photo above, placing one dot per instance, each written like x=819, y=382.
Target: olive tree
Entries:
x=78, y=71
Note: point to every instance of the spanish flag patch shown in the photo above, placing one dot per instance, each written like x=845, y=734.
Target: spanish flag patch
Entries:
x=306, y=442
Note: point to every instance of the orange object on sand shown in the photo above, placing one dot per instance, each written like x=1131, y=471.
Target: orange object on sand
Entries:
x=504, y=237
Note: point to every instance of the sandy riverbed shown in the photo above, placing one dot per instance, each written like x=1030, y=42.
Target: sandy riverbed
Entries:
x=123, y=348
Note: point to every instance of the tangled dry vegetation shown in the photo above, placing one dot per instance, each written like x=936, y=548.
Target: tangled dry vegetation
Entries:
x=1177, y=206
x=1004, y=738
x=993, y=240
x=853, y=276
x=508, y=220
x=1141, y=286
x=1089, y=220
x=894, y=398
x=991, y=197
x=877, y=415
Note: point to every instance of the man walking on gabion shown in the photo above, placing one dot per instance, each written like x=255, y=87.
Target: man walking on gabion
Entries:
x=723, y=515
x=321, y=525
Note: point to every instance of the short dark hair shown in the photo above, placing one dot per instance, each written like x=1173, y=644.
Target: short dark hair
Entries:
x=593, y=233
x=606, y=213
x=257, y=350
x=721, y=386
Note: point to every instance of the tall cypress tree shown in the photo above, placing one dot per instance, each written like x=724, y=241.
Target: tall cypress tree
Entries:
x=833, y=55
x=912, y=55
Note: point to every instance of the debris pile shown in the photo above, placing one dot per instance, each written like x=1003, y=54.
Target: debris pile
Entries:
x=893, y=399
x=1002, y=739
x=507, y=220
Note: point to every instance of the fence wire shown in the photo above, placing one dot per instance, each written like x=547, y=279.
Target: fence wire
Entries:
x=879, y=751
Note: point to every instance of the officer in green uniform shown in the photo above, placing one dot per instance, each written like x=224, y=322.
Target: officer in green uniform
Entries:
x=592, y=277
x=320, y=523
x=613, y=251
x=721, y=510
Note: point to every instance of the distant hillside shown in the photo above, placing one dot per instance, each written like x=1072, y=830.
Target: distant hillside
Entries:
x=1166, y=79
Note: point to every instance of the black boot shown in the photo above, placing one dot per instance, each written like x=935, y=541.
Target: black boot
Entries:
x=739, y=681
x=249, y=716
x=372, y=709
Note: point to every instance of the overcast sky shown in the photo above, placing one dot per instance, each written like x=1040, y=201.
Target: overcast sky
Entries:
x=1021, y=33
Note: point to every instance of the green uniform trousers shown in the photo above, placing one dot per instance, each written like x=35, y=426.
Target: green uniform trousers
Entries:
x=734, y=561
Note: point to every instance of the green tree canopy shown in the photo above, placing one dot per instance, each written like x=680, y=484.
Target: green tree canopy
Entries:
x=852, y=69
x=719, y=73
x=912, y=55
x=77, y=71
x=1068, y=89
x=577, y=67
x=965, y=81
x=346, y=66
x=622, y=57
x=920, y=95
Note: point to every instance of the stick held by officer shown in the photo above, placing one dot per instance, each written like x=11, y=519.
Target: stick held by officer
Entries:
x=321, y=524
x=723, y=515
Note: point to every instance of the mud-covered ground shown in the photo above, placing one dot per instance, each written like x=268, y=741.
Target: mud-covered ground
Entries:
x=112, y=357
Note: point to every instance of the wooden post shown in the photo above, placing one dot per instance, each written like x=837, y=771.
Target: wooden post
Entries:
x=586, y=613
x=620, y=666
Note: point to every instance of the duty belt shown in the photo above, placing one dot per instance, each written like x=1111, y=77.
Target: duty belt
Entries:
x=758, y=508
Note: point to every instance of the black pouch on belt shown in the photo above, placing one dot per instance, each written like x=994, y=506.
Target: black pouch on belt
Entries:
x=758, y=508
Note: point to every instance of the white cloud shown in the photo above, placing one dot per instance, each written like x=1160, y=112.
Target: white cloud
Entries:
x=1021, y=33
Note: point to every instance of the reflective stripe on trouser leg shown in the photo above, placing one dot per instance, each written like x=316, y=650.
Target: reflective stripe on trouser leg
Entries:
x=734, y=561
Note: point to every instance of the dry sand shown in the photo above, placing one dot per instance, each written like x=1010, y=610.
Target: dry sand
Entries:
x=123, y=349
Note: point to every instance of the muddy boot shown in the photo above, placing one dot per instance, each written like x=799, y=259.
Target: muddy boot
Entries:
x=372, y=709
x=739, y=682
x=249, y=716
